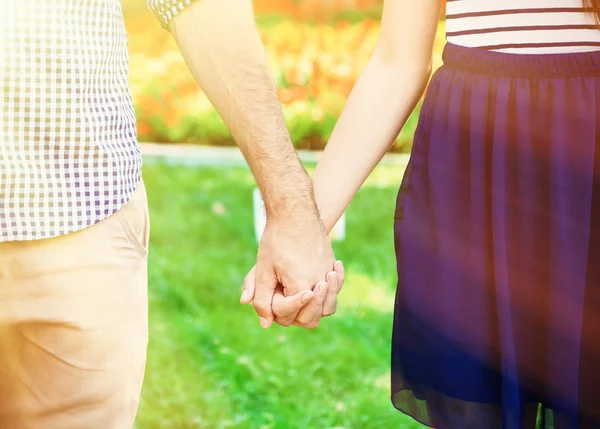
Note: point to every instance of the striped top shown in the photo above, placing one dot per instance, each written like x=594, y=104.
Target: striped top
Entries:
x=522, y=26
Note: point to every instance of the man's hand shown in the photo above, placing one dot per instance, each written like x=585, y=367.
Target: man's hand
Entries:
x=222, y=48
x=303, y=309
x=293, y=252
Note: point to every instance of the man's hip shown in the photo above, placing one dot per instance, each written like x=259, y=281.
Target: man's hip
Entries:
x=74, y=325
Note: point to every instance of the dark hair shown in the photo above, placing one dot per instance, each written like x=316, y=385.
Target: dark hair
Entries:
x=594, y=7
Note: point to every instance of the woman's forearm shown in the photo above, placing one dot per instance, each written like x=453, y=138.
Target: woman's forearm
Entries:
x=377, y=109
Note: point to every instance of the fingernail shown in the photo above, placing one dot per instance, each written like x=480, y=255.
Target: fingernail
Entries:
x=306, y=297
x=245, y=295
x=341, y=266
x=264, y=323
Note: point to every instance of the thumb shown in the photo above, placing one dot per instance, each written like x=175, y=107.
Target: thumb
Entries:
x=265, y=285
x=249, y=287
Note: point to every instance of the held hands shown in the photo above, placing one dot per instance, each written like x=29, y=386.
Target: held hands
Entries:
x=296, y=279
x=304, y=309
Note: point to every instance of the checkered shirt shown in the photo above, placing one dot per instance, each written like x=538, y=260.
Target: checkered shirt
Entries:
x=69, y=155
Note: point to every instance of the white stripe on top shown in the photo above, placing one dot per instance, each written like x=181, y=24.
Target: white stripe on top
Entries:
x=522, y=26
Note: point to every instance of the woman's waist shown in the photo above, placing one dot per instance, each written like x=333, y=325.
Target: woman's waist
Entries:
x=485, y=61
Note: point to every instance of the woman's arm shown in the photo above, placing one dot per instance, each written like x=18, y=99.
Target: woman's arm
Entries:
x=379, y=105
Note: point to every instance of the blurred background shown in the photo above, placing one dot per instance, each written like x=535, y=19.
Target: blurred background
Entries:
x=210, y=365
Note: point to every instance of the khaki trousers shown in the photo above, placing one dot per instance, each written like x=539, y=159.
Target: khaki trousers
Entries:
x=74, y=325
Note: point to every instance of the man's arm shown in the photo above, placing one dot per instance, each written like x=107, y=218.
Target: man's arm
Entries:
x=222, y=48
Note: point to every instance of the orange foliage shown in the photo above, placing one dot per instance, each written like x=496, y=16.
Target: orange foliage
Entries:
x=315, y=67
x=315, y=8
x=312, y=8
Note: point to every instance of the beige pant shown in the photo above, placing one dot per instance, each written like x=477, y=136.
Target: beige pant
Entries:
x=74, y=325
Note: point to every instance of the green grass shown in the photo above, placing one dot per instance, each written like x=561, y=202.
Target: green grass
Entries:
x=349, y=15
x=211, y=366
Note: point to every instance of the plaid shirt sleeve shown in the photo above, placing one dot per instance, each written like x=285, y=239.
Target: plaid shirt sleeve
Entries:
x=166, y=10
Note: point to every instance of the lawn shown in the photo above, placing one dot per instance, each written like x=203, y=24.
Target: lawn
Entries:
x=211, y=366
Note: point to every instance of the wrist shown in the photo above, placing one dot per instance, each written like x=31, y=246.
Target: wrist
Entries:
x=292, y=208
x=295, y=198
x=330, y=210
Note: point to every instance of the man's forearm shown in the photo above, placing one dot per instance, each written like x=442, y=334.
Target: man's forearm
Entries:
x=221, y=45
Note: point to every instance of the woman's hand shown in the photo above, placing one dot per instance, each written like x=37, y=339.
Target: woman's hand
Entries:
x=303, y=309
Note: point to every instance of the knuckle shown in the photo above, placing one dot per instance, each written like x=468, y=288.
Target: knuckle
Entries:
x=284, y=322
x=330, y=311
x=303, y=320
x=281, y=313
x=277, y=308
x=309, y=321
x=314, y=325
x=259, y=306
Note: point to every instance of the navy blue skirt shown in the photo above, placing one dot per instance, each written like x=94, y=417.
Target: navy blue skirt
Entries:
x=497, y=234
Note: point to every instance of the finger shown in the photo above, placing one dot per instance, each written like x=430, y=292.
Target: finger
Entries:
x=330, y=304
x=286, y=308
x=341, y=274
x=310, y=315
x=330, y=301
x=249, y=287
x=265, y=285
